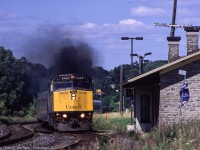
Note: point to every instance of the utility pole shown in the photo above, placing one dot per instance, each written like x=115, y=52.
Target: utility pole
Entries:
x=173, y=42
x=142, y=61
x=173, y=19
x=121, y=91
x=141, y=58
x=173, y=24
x=132, y=38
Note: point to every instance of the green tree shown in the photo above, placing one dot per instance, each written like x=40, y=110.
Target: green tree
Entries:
x=154, y=64
x=103, y=80
x=20, y=81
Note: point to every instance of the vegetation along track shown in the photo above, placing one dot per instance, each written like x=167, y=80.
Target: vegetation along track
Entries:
x=91, y=140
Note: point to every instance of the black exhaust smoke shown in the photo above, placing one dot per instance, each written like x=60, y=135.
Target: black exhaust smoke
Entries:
x=61, y=54
x=73, y=59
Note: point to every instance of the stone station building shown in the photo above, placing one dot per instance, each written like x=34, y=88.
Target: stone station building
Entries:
x=156, y=93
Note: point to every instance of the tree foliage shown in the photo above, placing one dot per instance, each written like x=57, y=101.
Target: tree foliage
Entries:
x=18, y=83
x=109, y=81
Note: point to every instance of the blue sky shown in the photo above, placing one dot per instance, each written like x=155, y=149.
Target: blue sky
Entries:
x=100, y=23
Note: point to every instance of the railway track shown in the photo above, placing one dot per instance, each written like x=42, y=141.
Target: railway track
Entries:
x=33, y=136
x=14, y=133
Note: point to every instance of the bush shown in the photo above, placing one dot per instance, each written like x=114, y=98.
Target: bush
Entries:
x=116, y=124
x=31, y=111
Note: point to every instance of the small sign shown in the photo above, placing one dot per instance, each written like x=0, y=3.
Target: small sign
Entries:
x=182, y=72
x=129, y=92
x=98, y=91
x=184, y=94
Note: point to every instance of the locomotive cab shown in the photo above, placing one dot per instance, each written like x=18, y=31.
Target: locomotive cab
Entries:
x=70, y=103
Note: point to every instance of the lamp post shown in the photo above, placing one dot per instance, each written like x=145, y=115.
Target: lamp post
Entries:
x=141, y=61
x=131, y=38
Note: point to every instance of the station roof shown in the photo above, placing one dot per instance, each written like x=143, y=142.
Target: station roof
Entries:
x=153, y=76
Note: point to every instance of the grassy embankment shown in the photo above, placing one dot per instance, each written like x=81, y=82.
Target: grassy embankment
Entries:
x=9, y=120
x=185, y=136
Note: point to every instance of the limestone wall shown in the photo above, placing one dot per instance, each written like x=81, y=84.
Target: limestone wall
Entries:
x=169, y=95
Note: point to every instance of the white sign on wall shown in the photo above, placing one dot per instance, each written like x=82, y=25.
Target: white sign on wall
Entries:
x=182, y=72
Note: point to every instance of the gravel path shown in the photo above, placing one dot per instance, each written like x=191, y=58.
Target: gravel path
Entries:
x=46, y=142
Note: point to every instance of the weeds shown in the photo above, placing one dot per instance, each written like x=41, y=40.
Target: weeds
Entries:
x=185, y=136
x=134, y=135
x=9, y=120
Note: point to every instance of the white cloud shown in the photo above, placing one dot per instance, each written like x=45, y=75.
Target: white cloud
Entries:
x=81, y=27
x=147, y=11
x=127, y=25
x=89, y=25
x=130, y=22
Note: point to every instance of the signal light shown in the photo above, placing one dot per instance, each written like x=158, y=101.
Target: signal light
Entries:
x=73, y=94
x=73, y=97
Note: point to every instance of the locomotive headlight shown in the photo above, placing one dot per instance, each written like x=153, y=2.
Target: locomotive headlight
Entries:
x=64, y=115
x=82, y=115
x=73, y=96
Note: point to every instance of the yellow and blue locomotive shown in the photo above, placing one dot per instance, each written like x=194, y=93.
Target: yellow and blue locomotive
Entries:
x=68, y=105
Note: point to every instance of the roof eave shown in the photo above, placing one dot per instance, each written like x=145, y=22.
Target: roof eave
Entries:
x=168, y=67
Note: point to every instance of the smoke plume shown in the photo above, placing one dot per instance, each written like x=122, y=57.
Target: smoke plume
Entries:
x=73, y=59
x=54, y=49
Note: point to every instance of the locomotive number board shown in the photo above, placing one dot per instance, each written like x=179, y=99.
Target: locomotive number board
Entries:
x=70, y=77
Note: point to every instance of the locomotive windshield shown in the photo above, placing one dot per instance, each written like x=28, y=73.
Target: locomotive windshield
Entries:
x=82, y=84
x=62, y=85
x=67, y=81
x=72, y=84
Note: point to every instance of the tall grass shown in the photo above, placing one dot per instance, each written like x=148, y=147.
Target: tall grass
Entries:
x=184, y=136
x=111, y=121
